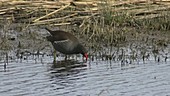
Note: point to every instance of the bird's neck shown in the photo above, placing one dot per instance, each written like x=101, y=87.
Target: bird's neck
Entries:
x=79, y=49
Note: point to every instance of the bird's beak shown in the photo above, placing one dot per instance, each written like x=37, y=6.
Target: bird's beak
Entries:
x=86, y=56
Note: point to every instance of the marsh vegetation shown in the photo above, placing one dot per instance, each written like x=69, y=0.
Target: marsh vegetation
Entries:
x=120, y=31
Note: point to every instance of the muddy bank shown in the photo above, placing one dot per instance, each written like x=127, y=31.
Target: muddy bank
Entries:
x=130, y=44
x=112, y=31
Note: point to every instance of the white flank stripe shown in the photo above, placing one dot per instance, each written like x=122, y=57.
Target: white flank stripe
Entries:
x=62, y=41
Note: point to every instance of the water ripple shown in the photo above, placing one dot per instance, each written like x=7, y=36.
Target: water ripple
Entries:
x=74, y=78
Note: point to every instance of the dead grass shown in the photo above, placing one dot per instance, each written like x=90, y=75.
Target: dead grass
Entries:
x=99, y=24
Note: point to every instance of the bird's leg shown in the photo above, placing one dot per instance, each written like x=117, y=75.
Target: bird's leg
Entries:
x=65, y=57
x=54, y=55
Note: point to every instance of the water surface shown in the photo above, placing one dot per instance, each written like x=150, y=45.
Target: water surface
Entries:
x=75, y=78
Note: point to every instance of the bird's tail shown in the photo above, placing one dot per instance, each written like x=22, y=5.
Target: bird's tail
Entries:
x=48, y=29
x=51, y=31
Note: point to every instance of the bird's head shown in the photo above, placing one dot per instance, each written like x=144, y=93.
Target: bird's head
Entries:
x=85, y=55
x=83, y=51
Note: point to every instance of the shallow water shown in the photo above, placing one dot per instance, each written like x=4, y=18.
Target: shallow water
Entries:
x=75, y=78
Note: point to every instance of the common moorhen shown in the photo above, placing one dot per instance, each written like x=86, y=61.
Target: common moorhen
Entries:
x=66, y=43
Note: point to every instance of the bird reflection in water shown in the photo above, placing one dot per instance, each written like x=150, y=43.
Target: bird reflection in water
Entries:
x=69, y=66
x=65, y=73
